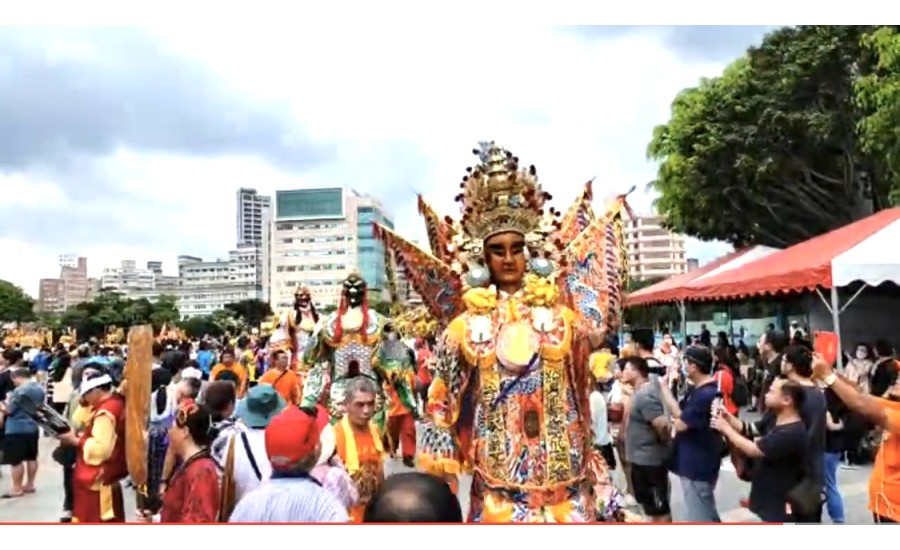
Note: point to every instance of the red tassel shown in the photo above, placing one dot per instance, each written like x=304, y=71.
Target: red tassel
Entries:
x=338, y=326
x=365, y=319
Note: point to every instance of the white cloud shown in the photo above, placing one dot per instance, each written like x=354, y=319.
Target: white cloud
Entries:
x=404, y=109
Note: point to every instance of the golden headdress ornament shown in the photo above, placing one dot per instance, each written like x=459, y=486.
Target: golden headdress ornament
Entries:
x=499, y=197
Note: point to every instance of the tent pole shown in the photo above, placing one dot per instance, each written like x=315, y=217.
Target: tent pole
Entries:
x=682, y=308
x=836, y=322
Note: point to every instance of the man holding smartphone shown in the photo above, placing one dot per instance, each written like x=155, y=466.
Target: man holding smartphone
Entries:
x=697, y=448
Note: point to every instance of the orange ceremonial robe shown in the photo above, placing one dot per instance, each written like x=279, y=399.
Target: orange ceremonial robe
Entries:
x=362, y=453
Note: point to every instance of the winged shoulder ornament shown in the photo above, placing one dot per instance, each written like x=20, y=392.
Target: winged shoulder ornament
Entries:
x=439, y=285
x=598, y=268
x=578, y=216
x=440, y=231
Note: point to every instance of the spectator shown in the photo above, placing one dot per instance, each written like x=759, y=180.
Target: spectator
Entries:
x=251, y=465
x=697, y=449
x=292, y=495
x=22, y=434
x=884, y=484
x=414, y=497
x=647, y=434
x=779, y=455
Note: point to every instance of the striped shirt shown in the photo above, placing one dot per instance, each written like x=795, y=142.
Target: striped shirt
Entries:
x=289, y=500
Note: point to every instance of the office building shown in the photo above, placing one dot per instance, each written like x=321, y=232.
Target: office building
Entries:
x=693, y=264
x=317, y=238
x=251, y=209
x=265, y=255
x=653, y=251
x=128, y=277
x=205, y=286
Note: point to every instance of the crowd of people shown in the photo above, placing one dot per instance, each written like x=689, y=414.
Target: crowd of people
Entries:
x=526, y=392
x=289, y=463
x=669, y=411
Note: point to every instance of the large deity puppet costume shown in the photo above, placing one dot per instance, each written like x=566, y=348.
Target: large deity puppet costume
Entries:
x=355, y=341
x=518, y=291
x=294, y=329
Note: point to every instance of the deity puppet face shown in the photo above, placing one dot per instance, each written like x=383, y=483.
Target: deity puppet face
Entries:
x=355, y=290
x=302, y=297
x=505, y=258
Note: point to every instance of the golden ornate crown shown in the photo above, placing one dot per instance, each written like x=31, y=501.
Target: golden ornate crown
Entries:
x=498, y=197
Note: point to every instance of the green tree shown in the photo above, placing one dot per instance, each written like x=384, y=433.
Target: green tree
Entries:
x=165, y=311
x=767, y=153
x=92, y=319
x=49, y=320
x=251, y=312
x=200, y=326
x=878, y=95
x=226, y=320
x=637, y=284
x=15, y=305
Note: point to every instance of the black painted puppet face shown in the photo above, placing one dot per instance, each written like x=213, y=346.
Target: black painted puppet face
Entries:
x=355, y=290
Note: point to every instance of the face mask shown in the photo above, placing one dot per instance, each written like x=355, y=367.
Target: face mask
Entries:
x=861, y=354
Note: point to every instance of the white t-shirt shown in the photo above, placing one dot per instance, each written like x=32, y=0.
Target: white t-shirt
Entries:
x=599, y=419
x=615, y=397
x=245, y=477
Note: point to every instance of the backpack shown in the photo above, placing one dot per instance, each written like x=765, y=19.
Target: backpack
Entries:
x=740, y=394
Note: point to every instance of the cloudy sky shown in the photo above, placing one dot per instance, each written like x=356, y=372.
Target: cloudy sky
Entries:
x=129, y=143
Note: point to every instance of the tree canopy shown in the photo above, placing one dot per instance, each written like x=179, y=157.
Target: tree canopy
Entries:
x=15, y=305
x=770, y=152
x=92, y=319
x=252, y=312
x=878, y=95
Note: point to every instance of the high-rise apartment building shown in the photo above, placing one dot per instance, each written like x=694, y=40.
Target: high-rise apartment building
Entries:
x=50, y=296
x=318, y=237
x=653, y=251
x=71, y=288
x=251, y=208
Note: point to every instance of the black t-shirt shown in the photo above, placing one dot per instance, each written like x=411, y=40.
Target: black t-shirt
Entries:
x=834, y=439
x=780, y=469
x=883, y=377
x=6, y=384
x=813, y=414
x=6, y=387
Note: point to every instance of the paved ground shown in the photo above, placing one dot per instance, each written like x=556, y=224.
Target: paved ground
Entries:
x=46, y=504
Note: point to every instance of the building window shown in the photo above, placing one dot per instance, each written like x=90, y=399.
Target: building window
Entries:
x=310, y=203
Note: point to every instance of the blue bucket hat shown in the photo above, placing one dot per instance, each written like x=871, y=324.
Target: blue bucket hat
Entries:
x=260, y=406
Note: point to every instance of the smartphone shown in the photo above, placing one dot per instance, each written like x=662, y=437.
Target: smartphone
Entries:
x=826, y=344
x=718, y=404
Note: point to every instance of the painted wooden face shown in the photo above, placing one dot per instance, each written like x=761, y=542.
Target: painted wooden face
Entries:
x=302, y=298
x=505, y=258
x=355, y=290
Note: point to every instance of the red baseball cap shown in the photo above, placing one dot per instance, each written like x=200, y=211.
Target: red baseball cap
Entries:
x=291, y=437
